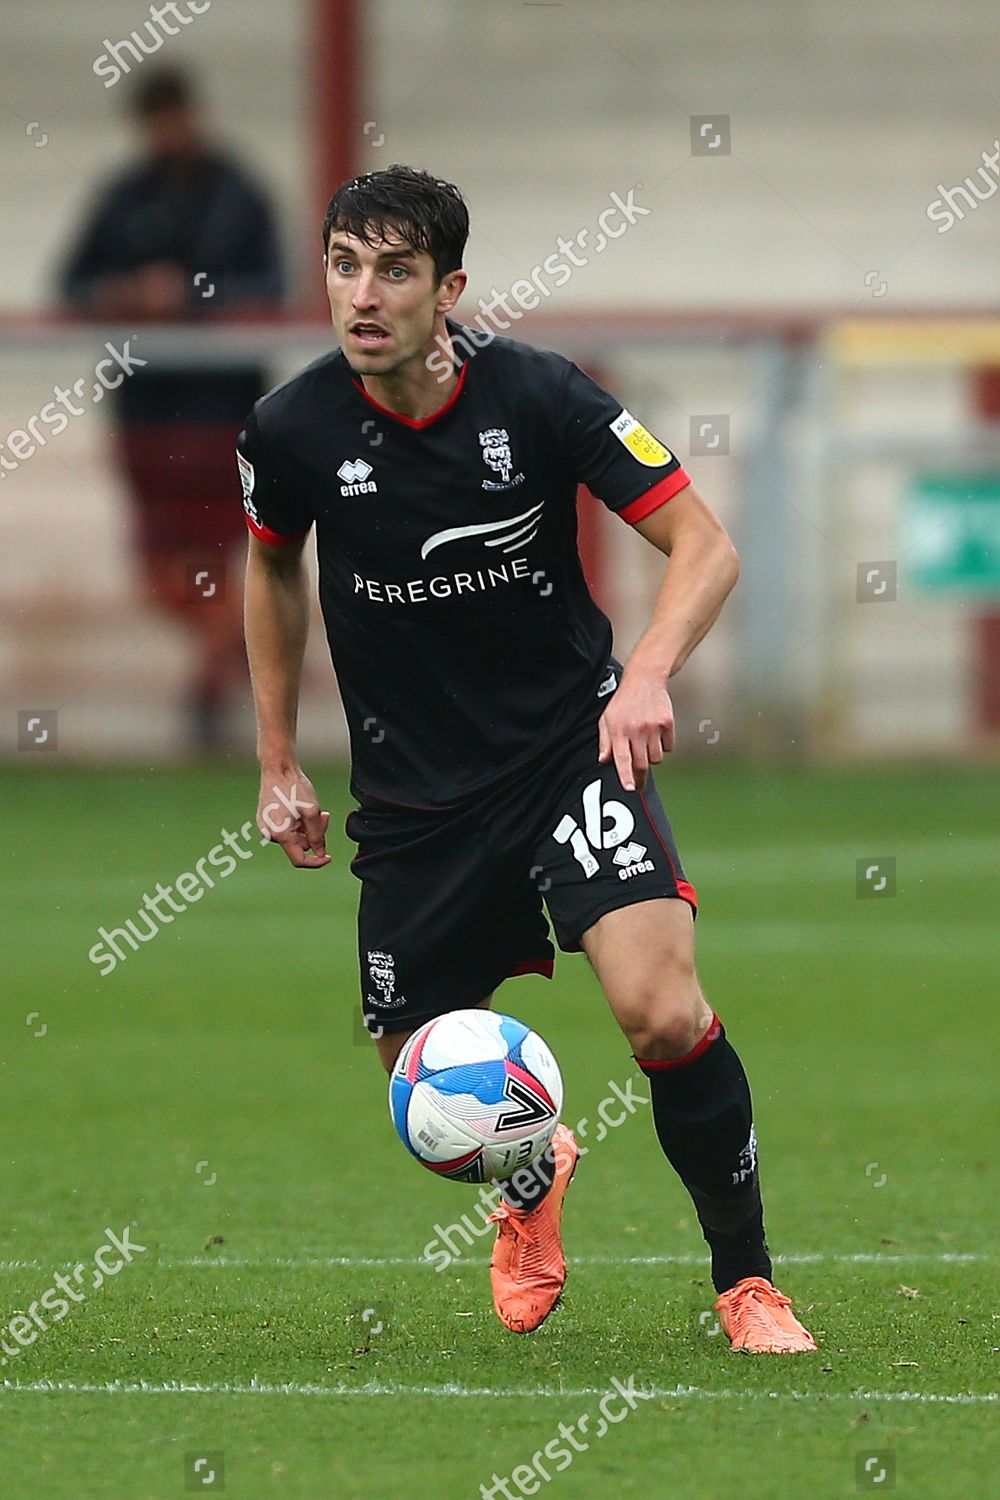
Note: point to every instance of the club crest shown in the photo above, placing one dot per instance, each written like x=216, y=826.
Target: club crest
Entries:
x=495, y=443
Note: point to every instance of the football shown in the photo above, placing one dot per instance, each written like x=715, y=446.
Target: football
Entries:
x=475, y=1095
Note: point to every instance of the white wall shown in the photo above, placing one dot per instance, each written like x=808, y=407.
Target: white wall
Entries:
x=845, y=117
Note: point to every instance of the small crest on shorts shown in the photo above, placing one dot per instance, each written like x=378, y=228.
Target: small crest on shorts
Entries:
x=382, y=973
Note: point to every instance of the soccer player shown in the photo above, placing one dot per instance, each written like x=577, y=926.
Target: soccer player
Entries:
x=500, y=752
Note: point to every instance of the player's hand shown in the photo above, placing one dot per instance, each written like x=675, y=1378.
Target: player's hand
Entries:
x=288, y=813
x=636, y=729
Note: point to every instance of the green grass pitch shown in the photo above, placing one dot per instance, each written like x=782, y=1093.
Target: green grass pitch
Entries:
x=213, y=1095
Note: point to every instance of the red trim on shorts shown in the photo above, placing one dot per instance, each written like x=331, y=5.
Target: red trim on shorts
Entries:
x=685, y=889
x=638, y=510
x=543, y=966
x=657, y=1065
x=423, y=421
x=273, y=538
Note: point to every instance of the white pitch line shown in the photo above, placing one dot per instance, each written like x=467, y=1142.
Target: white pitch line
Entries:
x=333, y=1262
x=329, y=1263
x=377, y=1388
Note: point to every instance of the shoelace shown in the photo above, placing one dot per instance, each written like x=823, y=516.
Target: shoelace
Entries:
x=761, y=1291
x=528, y=1249
x=757, y=1286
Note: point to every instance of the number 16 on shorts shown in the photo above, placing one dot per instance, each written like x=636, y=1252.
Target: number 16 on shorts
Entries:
x=605, y=826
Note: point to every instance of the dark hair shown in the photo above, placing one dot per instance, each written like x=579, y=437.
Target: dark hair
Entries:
x=161, y=88
x=406, y=203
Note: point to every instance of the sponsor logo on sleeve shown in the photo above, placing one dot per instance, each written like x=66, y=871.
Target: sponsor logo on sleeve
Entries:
x=247, y=480
x=641, y=444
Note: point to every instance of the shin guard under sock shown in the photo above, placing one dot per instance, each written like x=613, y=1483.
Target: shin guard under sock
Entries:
x=704, y=1121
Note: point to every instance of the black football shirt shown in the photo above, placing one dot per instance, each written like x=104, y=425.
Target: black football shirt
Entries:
x=464, y=637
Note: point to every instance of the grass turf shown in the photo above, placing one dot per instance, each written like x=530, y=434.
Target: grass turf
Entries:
x=214, y=1095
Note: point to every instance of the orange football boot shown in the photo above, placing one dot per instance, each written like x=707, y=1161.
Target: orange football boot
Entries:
x=528, y=1268
x=759, y=1318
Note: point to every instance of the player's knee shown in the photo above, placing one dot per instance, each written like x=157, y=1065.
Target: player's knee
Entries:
x=671, y=1037
x=670, y=1021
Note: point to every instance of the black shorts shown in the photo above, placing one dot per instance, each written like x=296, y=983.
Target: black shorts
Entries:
x=451, y=900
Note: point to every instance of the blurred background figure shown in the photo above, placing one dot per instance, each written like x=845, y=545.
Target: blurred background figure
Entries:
x=184, y=233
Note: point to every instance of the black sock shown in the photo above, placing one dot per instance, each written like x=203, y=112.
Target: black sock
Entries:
x=529, y=1185
x=704, y=1120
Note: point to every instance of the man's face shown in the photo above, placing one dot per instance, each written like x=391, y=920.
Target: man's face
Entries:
x=172, y=133
x=384, y=301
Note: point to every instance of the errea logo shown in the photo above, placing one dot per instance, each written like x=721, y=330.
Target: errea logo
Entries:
x=354, y=472
x=631, y=860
